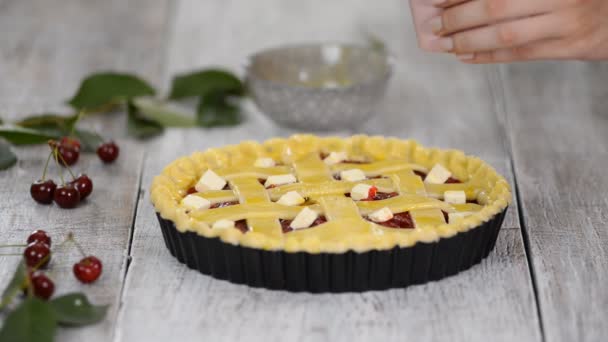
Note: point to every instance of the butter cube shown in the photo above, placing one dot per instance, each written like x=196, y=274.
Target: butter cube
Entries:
x=291, y=198
x=335, y=158
x=210, y=181
x=438, y=175
x=360, y=192
x=455, y=197
x=264, y=162
x=352, y=175
x=304, y=219
x=193, y=202
x=223, y=224
x=280, y=180
x=381, y=215
x=457, y=216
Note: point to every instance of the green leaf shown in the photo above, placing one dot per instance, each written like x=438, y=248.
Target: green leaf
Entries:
x=164, y=113
x=25, y=136
x=74, y=309
x=89, y=141
x=139, y=126
x=7, y=157
x=49, y=123
x=109, y=88
x=32, y=321
x=15, y=285
x=202, y=82
x=215, y=109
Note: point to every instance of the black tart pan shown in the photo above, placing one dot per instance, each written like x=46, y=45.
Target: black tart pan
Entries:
x=333, y=272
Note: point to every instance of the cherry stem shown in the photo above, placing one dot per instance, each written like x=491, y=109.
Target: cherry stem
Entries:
x=98, y=136
x=15, y=245
x=66, y=166
x=71, y=239
x=79, y=247
x=81, y=113
x=56, y=152
x=46, y=166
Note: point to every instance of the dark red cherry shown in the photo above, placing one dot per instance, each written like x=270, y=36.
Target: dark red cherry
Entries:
x=42, y=286
x=67, y=196
x=68, y=154
x=68, y=141
x=88, y=269
x=108, y=152
x=84, y=185
x=37, y=254
x=39, y=236
x=42, y=191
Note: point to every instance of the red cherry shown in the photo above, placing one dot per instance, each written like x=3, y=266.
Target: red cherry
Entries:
x=67, y=196
x=68, y=141
x=108, y=152
x=39, y=236
x=88, y=269
x=42, y=286
x=69, y=154
x=84, y=185
x=42, y=191
x=37, y=254
x=371, y=193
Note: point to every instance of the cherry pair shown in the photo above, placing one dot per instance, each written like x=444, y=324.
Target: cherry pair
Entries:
x=66, y=196
x=69, y=151
x=38, y=254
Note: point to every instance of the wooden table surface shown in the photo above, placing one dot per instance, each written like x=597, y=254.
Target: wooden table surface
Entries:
x=543, y=125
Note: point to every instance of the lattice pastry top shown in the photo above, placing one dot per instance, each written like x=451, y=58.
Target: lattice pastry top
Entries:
x=313, y=194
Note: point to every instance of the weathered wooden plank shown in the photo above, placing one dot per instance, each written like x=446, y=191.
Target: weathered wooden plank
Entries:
x=432, y=98
x=45, y=50
x=101, y=225
x=559, y=134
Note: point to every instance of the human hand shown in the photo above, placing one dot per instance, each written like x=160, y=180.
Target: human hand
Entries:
x=490, y=31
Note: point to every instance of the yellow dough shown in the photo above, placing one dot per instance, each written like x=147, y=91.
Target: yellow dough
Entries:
x=301, y=155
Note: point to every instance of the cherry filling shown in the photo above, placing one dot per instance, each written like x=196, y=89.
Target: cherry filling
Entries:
x=241, y=225
x=378, y=196
x=192, y=190
x=285, y=224
x=263, y=181
x=223, y=204
x=450, y=180
x=399, y=220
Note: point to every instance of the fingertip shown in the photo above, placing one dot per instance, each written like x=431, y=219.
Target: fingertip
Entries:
x=466, y=57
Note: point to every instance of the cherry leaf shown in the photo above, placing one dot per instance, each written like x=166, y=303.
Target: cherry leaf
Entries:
x=216, y=109
x=74, y=309
x=166, y=114
x=24, y=136
x=14, y=286
x=50, y=123
x=32, y=321
x=89, y=141
x=7, y=157
x=140, y=127
x=108, y=88
x=202, y=82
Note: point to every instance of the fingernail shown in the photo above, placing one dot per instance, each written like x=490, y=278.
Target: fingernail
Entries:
x=466, y=56
x=446, y=44
x=438, y=2
x=435, y=24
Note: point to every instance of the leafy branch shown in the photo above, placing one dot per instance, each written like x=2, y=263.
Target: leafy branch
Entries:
x=216, y=90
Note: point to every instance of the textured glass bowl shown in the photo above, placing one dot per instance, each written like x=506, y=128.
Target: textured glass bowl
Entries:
x=318, y=86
